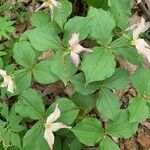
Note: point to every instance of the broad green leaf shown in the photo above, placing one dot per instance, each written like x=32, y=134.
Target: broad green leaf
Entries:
x=14, y=121
x=108, y=144
x=24, y=54
x=15, y=139
x=89, y=131
x=121, y=127
x=77, y=25
x=42, y=72
x=57, y=144
x=79, y=83
x=62, y=66
x=39, y=18
x=102, y=25
x=5, y=134
x=122, y=47
x=62, y=12
x=44, y=38
x=85, y=102
x=22, y=79
x=98, y=3
x=141, y=81
x=6, y=27
x=98, y=65
x=4, y=111
x=75, y=145
x=69, y=110
x=2, y=126
x=34, y=138
x=71, y=144
x=138, y=109
x=118, y=81
x=30, y=105
x=121, y=11
x=108, y=104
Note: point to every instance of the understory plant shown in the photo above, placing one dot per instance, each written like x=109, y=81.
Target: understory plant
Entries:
x=80, y=54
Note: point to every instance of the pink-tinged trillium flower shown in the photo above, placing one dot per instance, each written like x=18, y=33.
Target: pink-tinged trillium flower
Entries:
x=76, y=49
x=8, y=82
x=140, y=44
x=51, y=4
x=51, y=127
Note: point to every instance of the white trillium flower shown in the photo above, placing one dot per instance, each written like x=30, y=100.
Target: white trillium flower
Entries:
x=51, y=127
x=51, y=4
x=8, y=82
x=76, y=49
x=140, y=44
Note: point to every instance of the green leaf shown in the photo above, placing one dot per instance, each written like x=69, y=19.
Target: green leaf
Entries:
x=138, y=109
x=122, y=47
x=4, y=111
x=98, y=3
x=89, y=131
x=141, y=81
x=85, y=102
x=34, y=138
x=77, y=25
x=39, y=18
x=6, y=27
x=121, y=127
x=108, y=104
x=22, y=79
x=57, y=144
x=24, y=54
x=44, y=38
x=30, y=105
x=102, y=25
x=14, y=121
x=121, y=11
x=42, y=72
x=15, y=139
x=98, y=65
x=62, y=12
x=69, y=110
x=79, y=83
x=108, y=144
x=65, y=69
x=118, y=81
x=75, y=145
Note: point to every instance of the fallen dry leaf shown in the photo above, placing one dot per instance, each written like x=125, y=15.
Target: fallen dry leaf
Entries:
x=144, y=137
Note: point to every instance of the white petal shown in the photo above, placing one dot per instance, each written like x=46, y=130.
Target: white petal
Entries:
x=143, y=48
x=10, y=87
x=52, y=12
x=78, y=49
x=3, y=73
x=141, y=27
x=74, y=40
x=58, y=125
x=54, y=116
x=75, y=58
x=55, y=3
x=49, y=137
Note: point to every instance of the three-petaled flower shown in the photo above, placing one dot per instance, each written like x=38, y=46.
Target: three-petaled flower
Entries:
x=8, y=82
x=51, y=4
x=51, y=127
x=140, y=44
x=76, y=49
